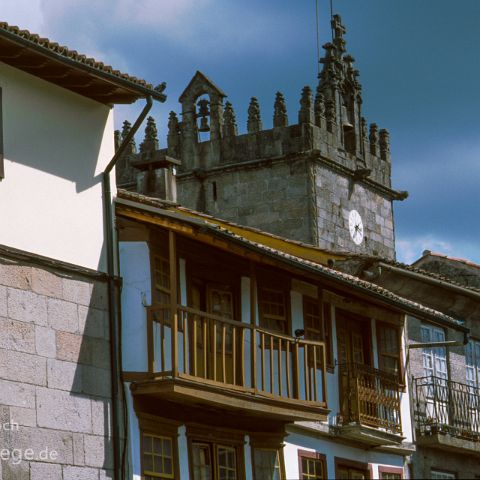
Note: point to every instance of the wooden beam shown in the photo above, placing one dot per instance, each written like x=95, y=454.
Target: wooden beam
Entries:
x=172, y=257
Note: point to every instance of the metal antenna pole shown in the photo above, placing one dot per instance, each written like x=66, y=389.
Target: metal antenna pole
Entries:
x=318, y=37
x=331, y=16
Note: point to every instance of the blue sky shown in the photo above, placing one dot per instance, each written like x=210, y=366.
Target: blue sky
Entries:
x=418, y=63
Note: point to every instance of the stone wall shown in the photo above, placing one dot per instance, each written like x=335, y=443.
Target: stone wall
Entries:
x=336, y=195
x=55, y=393
x=273, y=197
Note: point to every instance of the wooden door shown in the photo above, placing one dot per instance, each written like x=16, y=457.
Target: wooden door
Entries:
x=353, y=334
x=220, y=303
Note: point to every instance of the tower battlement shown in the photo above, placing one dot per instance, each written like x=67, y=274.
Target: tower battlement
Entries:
x=298, y=179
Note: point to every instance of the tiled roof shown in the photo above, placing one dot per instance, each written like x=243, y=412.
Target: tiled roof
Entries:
x=323, y=270
x=157, y=202
x=61, y=53
x=428, y=253
x=414, y=269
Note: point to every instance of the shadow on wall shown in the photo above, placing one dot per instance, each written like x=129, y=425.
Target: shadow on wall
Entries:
x=55, y=377
x=50, y=129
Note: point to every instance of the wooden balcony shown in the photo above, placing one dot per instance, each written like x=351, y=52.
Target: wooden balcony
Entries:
x=203, y=359
x=370, y=405
x=447, y=414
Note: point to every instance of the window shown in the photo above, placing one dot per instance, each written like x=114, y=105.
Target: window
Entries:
x=312, y=465
x=161, y=279
x=267, y=464
x=389, y=349
x=434, y=359
x=439, y=475
x=318, y=324
x=273, y=309
x=472, y=360
x=351, y=470
x=390, y=473
x=214, y=461
x=158, y=460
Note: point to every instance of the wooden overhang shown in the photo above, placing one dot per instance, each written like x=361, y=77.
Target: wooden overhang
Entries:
x=249, y=405
x=68, y=69
x=221, y=238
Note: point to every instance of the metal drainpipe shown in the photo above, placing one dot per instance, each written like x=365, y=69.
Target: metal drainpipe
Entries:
x=112, y=300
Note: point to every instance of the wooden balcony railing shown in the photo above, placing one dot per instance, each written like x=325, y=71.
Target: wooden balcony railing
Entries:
x=443, y=406
x=206, y=348
x=369, y=396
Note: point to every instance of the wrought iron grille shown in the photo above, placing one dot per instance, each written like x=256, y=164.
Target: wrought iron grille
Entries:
x=444, y=406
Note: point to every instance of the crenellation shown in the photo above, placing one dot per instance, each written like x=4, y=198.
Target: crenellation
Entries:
x=280, y=117
x=331, y=138
x=254, y=122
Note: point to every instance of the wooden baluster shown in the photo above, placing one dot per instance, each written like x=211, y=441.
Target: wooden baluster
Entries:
x=150, y=352
x=324, y=374
x=172, y=257
x=314, y=373
x=242, y=356
x=224, y=354
x=234, y=355
x=287, y=368
x=272, y=386
x=253, y=323
x=262, y=350
x=306, y=373
x=296, y=372
x=214, y=349
x=185, y=345
x=162, y=344
x=205, y=346
x=280, y=373
x=194, y=346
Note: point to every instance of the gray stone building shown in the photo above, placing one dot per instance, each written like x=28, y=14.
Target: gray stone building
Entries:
x=324, y=180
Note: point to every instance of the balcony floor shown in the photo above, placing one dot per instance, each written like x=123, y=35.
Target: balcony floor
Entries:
x=244, y=402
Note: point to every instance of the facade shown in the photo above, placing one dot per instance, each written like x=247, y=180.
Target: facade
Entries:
x=318, y=181
x=444, y=380
x=325, y=181
x=55, y=344
x=244, y=361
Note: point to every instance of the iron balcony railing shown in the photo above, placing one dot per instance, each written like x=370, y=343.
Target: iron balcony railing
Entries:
x=369, y=396
x=447, y=407
x=198, y=346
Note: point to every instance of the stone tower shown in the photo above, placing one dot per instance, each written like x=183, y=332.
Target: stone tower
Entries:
x=325, y=180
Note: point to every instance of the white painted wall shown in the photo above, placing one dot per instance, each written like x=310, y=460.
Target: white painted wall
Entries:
x=296, y=441
x=56, y=144
x=135, y=462
x=136, y=293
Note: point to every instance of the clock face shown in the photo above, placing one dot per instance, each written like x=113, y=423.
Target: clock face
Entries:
x=355, y=226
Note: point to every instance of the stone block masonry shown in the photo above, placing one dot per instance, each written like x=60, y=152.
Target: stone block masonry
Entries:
x=55, y=377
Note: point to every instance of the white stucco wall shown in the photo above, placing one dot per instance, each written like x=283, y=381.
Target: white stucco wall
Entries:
x=296, y=441
x=136, y=293
x=56, y=144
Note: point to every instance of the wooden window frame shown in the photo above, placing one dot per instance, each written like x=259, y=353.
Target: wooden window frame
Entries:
x=326, y=330
x=344, y=462
x=215, y=437
x=268, y=280
x=386, y=469
x=150, y=425
x=264, y=441
x=401, y=370
x=313, y=456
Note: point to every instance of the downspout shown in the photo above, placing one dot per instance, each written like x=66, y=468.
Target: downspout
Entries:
x=112, y=297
